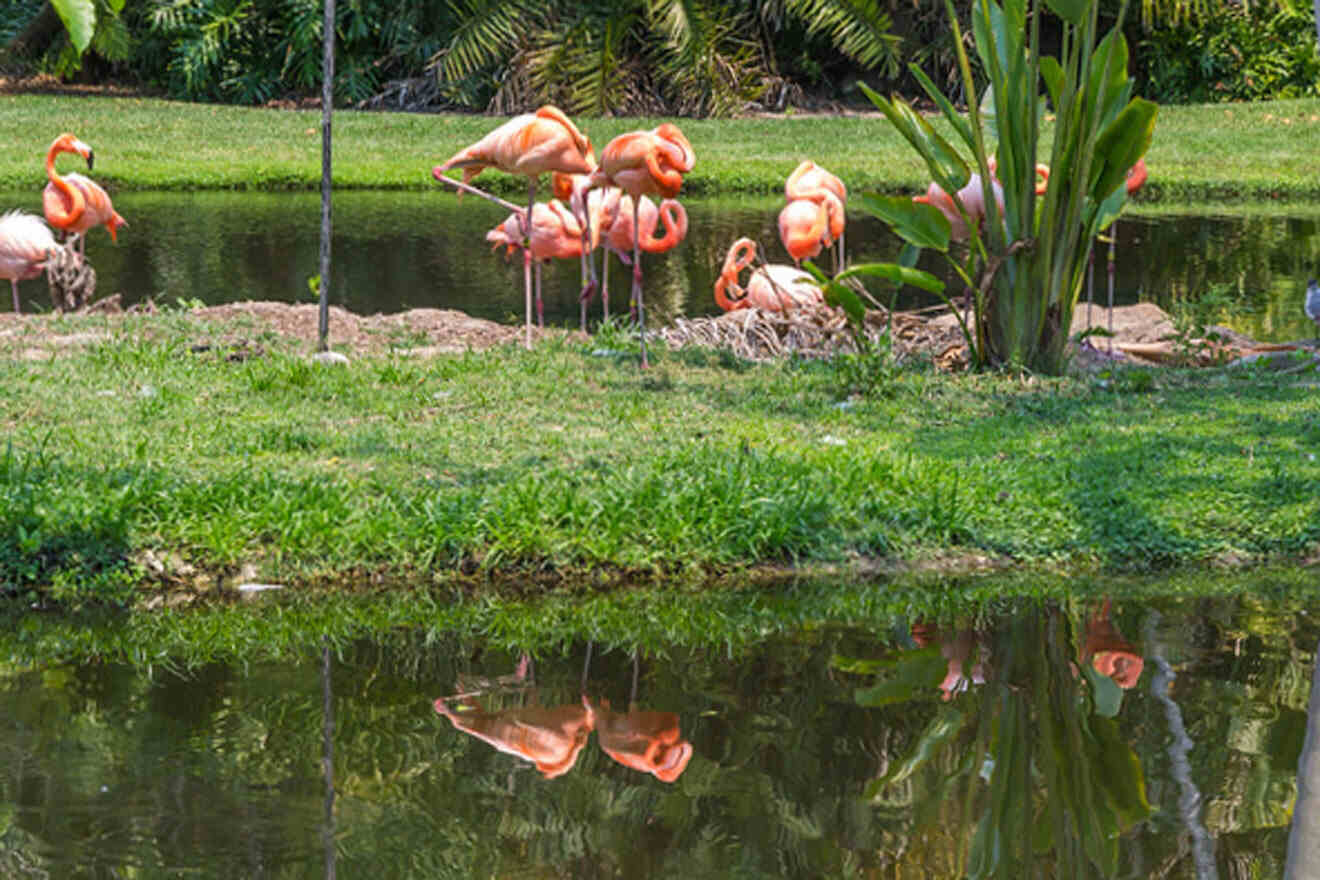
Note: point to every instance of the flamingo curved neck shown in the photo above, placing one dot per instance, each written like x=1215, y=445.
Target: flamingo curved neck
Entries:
x=74, y=203
x=674, y=218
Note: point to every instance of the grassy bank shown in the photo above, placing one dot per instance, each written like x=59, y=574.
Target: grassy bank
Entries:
x=1233, y=151
x=561, y=462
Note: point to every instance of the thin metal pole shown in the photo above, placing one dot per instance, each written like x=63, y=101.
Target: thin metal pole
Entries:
x=327, y=105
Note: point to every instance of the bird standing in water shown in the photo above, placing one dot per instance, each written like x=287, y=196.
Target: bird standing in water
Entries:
x=75, y=203
x=528, y=145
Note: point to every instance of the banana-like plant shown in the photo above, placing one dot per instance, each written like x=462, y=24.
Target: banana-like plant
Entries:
x=1025, y=255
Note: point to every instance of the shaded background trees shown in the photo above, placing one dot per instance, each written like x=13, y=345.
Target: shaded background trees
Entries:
x=617, y=57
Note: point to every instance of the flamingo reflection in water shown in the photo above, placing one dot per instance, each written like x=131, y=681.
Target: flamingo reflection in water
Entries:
x=1103, y=648
x=549, y=737
x=553, y=737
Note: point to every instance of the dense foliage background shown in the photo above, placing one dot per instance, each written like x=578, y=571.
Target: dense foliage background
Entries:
x=619, y=57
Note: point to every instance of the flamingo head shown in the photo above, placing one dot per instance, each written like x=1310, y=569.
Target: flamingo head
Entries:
x=113, y=225
x=67, y=143
x=685, y=159
x=1136, y=176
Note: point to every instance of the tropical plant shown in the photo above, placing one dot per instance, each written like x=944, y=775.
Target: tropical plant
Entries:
x=1247, y=53
x=690, y=57
x=1024, y=262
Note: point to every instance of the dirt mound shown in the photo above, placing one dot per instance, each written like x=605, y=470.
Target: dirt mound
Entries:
x=1142, y=333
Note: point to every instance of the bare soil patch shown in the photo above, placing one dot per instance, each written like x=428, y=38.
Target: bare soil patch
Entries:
x=1143, y=334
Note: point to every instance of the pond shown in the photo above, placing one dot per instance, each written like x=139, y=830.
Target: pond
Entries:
x=1072, y=738
x=399, y=250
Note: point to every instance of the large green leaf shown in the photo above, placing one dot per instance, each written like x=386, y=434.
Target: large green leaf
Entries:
x=1071, y=11
x=1121, y=144
x=917, y=222
x=946, y=166
x=956, y=119
x=79, y=17
x=841, y=297
x=1052, y=72
x=895, y=273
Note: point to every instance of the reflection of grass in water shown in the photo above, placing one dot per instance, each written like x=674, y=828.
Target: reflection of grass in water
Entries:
x=730, y=619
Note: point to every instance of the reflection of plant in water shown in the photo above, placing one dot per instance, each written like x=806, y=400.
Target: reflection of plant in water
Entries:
x=1025, y=754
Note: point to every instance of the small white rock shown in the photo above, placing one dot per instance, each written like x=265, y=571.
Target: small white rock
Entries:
x=258, y=588
x=330, y=357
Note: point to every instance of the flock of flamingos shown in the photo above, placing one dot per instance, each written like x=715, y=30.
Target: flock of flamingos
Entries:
x=608, y=207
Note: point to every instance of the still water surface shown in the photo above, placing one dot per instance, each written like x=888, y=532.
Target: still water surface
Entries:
x=1136, y=740
x=400, y=250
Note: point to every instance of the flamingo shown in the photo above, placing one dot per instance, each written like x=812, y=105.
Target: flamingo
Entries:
x=621, y=235
x=25, y=245
x=555, y=234
x=805, y=227
x=594, y=210
x=972, y=196
x=528, y=145
x=645, y=163
x=812, y=182
x=1135, y=179
x=75, y=203
x=772, y=287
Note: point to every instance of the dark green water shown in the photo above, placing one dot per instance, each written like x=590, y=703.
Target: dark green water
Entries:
x=400, y=250
x=1136, y=741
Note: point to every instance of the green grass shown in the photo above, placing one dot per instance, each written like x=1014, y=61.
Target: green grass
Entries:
x=562, y=465
x=1222, y=151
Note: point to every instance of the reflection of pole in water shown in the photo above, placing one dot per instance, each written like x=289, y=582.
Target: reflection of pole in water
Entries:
x=1304, y=838
x=1189, y=798
x=328, y=761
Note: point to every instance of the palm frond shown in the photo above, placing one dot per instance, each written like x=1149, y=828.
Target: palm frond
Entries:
x=859, y=28
x=489, y=31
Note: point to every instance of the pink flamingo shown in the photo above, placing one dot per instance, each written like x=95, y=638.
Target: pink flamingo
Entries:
x=772, y=287
x=621, y=234
x=973, y=199
x=645, y=163
x=555, y=234
x=74, y=203
x=595, y=210
x=805, y=227
x=529, y=145
x=811, y=182
x=25, y=245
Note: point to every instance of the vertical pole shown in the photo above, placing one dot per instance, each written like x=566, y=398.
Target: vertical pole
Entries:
x=328, y=757
x=327, y=103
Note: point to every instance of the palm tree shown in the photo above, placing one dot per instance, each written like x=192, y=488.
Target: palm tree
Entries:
x=691, y=57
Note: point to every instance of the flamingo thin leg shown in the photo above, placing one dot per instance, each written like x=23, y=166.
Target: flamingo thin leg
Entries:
x=527, y=259
x=540, y=304
x=14, y=285
x=637, y=279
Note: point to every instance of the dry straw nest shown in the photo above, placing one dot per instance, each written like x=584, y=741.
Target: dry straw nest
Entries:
x=817, y=332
